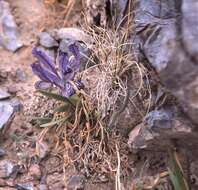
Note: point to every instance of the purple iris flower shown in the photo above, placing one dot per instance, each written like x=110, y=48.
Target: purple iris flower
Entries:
x=45, y=69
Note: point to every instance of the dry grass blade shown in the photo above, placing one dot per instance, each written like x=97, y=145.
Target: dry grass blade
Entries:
x=115, y=61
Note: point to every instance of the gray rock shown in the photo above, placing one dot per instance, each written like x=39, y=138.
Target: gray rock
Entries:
x=168, y=32
x=46, y=40
x=159, y=130
x=4, y=94
x=9, y=37
x=12, y=89
x=16, y=104
x=20, y=74
x=74, y=34
x=76, y=182
x=189, y=27
x=25, y=186
x=2, y=152
x=6, y=112
x=43, y=149
x=159, y=119
x=6, y=169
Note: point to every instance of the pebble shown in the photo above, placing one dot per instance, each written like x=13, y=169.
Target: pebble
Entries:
x=9, y=35
x=6, y=112
x=12, y=89
x=21, y=76
x=16, y=104
x=25, y=186
x=6, y=169
x=42, y=149
x=46, y=40
x=2, y=152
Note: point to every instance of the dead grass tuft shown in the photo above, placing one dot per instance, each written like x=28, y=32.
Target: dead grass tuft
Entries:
x=115, y=74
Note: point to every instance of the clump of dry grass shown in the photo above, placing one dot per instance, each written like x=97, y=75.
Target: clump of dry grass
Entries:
x=115, y=67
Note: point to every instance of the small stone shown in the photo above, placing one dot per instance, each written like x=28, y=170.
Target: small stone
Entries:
x=16, y=104
x=6, y=112
x=12, y=89
x=46, y=40
x=6, y=169
x=21, y=76
x=9, y=30
x=159, y=119
x=25, y=186
x=42, y=149
x=4, y=95
x=2, y=152
x=76, y=182
x=35, y=172
x=74, y=34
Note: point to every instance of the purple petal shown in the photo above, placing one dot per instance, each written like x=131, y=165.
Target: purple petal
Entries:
x=75, y=50
x=68, y=90
x=46, y=75
x=63, y=63
x=37, y=70
x=79, y=84
x=44, y=59
x=75, y=63
x=42, y=85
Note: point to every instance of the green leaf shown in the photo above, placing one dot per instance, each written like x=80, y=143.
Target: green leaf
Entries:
x=57, y=122
x=62, y=108
x=174, y=180
x=50, y=124
x=176, y=174
x=41, y=120
x=75, y=99
x=56, y=97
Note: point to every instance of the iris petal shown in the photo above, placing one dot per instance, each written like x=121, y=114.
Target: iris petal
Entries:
x=37, y=70
x=45, y=69
x=75, y=62
x=46, y=75
x=68, y=90
x=63, y=63
x=44, y=59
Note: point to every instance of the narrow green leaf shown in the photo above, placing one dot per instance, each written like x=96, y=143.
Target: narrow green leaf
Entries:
x=41, y=120
x=75, y=99
x=174, y=180
x=50, y=124
x=62, y=108
x=56, y=97
x=178, y=180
